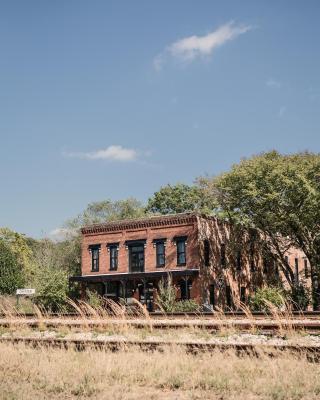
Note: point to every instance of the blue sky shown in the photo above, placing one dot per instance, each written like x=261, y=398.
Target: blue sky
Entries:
x=111, y=99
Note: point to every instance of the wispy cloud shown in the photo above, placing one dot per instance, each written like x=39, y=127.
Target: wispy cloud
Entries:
x=273, y=83
x=192, y=47
x=111, y=153
x=282, y=111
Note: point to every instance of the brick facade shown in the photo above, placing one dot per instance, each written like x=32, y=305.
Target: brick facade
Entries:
x=223, y=264
x=142, y=231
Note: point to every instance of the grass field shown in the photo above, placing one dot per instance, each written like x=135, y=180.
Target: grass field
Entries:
x=27, y=373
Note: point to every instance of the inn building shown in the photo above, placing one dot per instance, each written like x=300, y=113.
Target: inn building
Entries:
x=208, y=260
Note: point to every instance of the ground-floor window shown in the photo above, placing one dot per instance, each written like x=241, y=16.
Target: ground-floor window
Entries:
x=185, y=289
x=242, y=294
x=112, y=289
x=212, y=295
x=229, y=297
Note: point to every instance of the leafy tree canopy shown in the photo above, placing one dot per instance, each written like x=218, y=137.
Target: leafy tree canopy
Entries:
x=107, y=210
x=172, y=199
x=11, y=270
x=20, y=248
x=278, y=194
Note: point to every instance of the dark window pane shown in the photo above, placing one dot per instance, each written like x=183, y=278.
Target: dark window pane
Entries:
x=252, y=253
x=239, y=260
x=95, y=259
x=185, y=288
x=206, y=253
x=306, y=269
x=136, y=258
x=113, y=257
x=160, y=254
x=229, y=297
x=242, y=294
x=212, y=295
x=181, y=252
x=223, y=255
x=296, y=265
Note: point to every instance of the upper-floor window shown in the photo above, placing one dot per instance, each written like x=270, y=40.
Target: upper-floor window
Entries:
x=206, y=251
x=296, y=268
x=95, y=251
x=239, y=260
x=113, y=251
x=223, y=255
x=252, y=255
x=160, y=245
x=181, y=250
x=306, y=268
x=136, y=255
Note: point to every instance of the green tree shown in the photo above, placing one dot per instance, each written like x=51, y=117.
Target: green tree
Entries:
x=11, y=270
x=279, y=195
x=19, y=245
x=171, y=199
x=64, y=254
x=51, y=286
x=106, y=211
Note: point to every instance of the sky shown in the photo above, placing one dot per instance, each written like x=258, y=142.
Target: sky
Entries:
x=114, y=99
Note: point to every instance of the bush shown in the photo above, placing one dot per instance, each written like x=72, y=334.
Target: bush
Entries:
x=94, y=299
x=167, y=299
x=300, y=297
x=274, y=295
x=51, y=288
x=186, y=306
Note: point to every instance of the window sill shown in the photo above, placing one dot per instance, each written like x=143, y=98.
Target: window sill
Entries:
x=181, y=265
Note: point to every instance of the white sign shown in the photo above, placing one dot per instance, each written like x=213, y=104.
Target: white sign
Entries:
x=25, y=292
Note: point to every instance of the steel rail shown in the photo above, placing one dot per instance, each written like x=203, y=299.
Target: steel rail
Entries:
x=211, y=315
x=311, y=352
x=242, y=325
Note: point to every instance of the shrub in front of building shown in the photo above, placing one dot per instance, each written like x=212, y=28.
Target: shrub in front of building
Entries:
x=266, y=297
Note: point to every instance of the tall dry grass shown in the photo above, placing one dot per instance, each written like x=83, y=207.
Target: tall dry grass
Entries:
x=118, y=318
x=27, y=373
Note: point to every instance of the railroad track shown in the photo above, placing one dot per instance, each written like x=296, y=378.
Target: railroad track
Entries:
x=240, y=325
x=186, y=315
x=311, y=352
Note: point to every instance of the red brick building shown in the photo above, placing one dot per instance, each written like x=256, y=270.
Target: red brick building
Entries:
x=208, y=260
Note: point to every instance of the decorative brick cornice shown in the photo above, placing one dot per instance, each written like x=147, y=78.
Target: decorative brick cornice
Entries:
x=159, y=220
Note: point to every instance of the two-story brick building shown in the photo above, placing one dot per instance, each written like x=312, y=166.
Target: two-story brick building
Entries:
x=209, y=260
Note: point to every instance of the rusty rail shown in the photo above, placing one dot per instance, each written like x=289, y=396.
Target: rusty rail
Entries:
x=241, y=325
x=311, y=352
x=211, y=315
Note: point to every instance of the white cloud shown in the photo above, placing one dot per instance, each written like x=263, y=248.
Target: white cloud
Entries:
x=189, y=48
x=273, y=83
x=111, y=153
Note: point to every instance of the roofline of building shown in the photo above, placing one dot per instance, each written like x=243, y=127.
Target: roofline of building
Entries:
x=146, y=222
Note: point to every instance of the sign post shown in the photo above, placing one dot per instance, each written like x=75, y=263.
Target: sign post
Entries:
x=24, y=292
